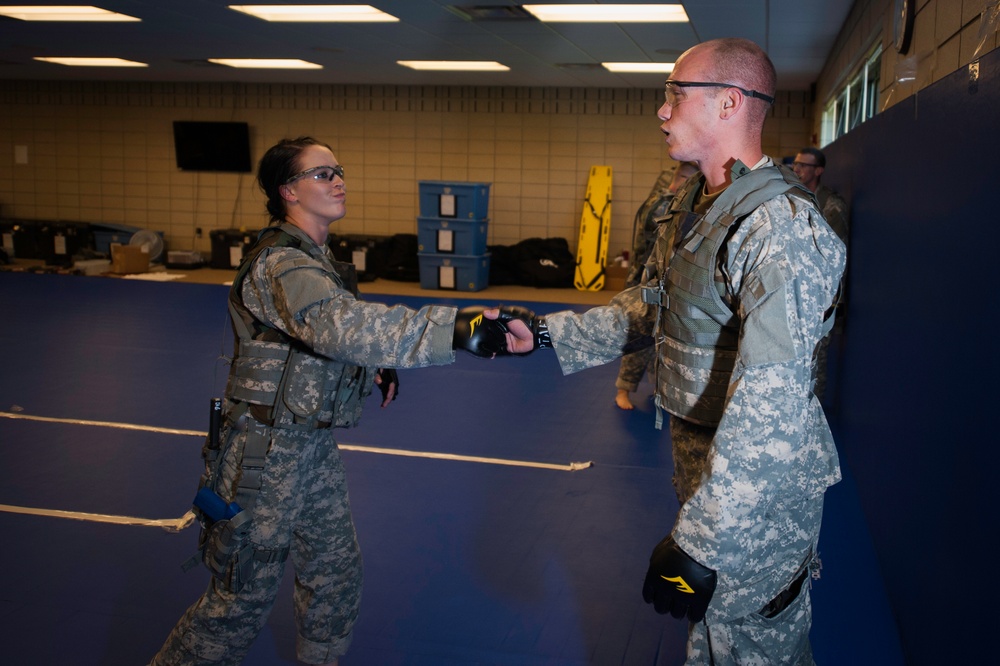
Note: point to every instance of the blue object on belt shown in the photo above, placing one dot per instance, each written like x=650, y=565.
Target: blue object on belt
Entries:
x=214, y=507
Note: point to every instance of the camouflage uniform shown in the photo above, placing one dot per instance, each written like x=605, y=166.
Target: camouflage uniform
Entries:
x=753, y=451
x=302, y=506
x=634, y=365
x=834, y=210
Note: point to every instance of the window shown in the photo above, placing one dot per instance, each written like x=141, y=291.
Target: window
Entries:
x=855, y=103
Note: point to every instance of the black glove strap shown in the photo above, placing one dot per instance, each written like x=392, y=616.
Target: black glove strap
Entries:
x=542, y=338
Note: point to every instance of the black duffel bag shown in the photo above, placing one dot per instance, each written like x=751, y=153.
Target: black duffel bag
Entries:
x=533, y=262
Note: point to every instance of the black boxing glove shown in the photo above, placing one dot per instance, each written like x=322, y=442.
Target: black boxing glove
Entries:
x=676, y=584
x=388, y=381
x=536, y=325
x=478, y=335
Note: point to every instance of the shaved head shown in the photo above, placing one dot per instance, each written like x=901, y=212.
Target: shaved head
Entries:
x=743, y=63
x=715, y=104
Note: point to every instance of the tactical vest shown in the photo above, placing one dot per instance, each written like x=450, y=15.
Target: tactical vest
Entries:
x=697, y=332
x=275, y=378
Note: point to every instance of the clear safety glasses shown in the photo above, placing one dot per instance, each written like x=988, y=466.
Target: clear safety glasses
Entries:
x=319, y=173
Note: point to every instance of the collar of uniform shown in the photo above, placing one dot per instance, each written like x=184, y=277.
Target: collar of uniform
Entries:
x=293, y=230
x=740, y=169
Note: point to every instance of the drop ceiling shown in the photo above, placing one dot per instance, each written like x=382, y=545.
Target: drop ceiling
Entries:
x=177, y=37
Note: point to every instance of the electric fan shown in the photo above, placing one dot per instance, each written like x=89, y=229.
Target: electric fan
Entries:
x=151, y=242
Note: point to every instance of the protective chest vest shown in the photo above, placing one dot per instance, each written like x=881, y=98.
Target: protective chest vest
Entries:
x=698, y=333
x=275, y=378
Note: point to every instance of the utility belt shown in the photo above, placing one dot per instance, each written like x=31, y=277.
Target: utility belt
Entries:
x=262, y=414
x=283, y=386
x=224, y=544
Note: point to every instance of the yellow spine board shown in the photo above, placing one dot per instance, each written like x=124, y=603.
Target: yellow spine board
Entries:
x=595, y=226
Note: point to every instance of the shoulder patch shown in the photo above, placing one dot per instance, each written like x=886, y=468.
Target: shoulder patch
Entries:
x=285, y=261
x=766, y=281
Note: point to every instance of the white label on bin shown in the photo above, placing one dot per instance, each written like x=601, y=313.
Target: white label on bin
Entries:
x=446, y=240
x=446, y=205
x=8, y=243
x=358, y=258
x=60, y=241
x=235, y=255
x=446, y=277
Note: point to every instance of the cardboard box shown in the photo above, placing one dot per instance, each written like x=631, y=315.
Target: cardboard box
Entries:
x=614, y=277
x=129, y=259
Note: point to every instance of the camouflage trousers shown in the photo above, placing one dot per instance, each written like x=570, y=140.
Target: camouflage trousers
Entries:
x=755, y=640
x=734, y=633
x=302, y=504
x=633, y=367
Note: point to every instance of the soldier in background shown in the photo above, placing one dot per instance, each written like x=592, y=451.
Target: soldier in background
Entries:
x=809, y=165
x=644, y=232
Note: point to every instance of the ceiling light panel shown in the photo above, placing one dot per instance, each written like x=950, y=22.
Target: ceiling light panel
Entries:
x=639, y=67
x=62, y=13
x=265, y=63
x=455, y=65
x=317, y=13
x=93, y=62
x=609, y=13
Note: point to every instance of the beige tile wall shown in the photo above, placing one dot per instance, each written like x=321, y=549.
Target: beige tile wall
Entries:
x=103, y=152
x=947, y=35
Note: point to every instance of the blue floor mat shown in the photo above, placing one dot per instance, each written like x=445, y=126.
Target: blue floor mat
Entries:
x=465, y=562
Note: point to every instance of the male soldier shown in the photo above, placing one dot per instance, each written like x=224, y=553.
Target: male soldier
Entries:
x=809, y=165
x=735, y=296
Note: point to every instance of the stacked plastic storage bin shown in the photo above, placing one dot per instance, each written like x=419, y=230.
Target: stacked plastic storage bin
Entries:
x=451, y=235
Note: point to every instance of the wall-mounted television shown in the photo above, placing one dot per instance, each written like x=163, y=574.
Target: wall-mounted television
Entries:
x=212, y=146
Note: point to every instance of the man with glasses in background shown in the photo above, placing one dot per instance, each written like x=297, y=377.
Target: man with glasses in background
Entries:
x=809, y=165
x=734, y=296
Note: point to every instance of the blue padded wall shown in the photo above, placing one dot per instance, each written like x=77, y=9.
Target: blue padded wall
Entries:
x=920, y=361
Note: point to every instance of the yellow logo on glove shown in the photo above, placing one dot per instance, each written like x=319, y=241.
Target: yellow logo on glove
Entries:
x=682, y=585
x=473, y=323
